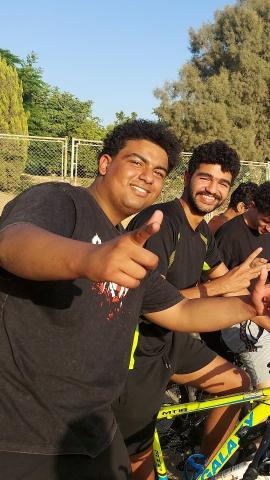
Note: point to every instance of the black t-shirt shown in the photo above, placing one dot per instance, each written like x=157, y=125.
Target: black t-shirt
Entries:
x=65, y=345
x=183, y=254
x=236, y=241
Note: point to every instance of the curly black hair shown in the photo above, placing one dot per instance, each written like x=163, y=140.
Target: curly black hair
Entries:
x=139, y=129
x=262, y=198
x=217, y=152
x=243, y=193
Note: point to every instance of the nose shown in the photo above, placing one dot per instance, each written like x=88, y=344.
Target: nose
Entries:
x=147, y=175
x=211, y=187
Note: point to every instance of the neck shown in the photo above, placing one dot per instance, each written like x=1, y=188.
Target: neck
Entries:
x=249, y=220
x=194, y=219
x=99, y=195
x=230, y=213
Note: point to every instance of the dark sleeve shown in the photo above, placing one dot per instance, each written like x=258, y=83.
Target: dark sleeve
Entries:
x=159, y=294
x=47, y=206
x=224, y=245
x=213, y=257
x=162, y=243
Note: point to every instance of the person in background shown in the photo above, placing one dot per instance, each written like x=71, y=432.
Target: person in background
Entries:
x=240, y=202
x=235, y=240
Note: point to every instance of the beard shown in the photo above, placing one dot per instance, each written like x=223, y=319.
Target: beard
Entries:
x=199, y=208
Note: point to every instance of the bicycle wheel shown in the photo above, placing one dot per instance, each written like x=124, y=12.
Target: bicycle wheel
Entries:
x=180, y=436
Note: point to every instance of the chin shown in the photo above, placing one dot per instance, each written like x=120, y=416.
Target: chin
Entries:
x=203, y=210
x=131, y=209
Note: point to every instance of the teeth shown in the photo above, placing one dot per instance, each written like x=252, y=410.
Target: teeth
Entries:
x=209, y=196
x=139, y=189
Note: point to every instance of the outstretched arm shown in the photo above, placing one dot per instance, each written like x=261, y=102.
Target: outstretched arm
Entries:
x=34, y=253
x=208, y=314
x=233, y=282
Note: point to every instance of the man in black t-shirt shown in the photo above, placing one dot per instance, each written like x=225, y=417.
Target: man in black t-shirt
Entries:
x=71, y=290
x=185, y=247
x=240, y=202
x=235, y=241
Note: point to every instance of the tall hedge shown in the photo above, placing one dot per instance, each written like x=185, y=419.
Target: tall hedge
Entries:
x=13, y=120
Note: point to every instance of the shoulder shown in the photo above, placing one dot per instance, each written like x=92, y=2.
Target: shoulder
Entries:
x=169, y=215
x=216, y=222
x=231, y=227
x=44, y=192
x=45, y=205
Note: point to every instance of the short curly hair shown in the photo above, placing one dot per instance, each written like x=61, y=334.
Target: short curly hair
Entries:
x=262, y=198
x=243, y=193
x=217, y=152
x=139, y=129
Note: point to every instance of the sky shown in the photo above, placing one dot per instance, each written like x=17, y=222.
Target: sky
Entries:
x=112, y=52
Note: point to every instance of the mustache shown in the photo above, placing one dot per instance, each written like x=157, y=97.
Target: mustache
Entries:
x=205, y=192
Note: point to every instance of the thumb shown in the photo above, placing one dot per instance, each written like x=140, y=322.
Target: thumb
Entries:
x=152, y=226
x=262, y=278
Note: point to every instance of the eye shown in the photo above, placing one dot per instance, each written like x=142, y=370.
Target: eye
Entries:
x=204, y=177
x=137, y=162
x=160, y=173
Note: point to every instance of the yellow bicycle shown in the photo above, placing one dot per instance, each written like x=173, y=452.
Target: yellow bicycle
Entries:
x=259, y=401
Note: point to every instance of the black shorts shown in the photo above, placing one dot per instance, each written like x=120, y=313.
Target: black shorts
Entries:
x=111, y=464
x=137, y=408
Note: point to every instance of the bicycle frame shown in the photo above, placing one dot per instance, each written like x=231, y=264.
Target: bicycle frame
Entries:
x=257, y=414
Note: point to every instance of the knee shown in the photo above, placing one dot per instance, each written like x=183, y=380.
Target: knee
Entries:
x=237, y=380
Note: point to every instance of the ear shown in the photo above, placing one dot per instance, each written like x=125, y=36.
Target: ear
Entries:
x=103, y=164
x=240, y=207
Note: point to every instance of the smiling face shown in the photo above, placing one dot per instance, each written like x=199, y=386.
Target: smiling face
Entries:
x=207, y=188
x=257, y=220
x=132, y=180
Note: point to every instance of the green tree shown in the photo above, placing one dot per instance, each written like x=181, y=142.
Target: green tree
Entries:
x=35, y=92
x=65, y=113
x=223, y=91
x=12, y=116
x=90, y=129
x=121, y=117
x=11, y=59
x=12, y=120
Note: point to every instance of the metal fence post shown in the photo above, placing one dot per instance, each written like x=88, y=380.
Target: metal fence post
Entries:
x=72, y=158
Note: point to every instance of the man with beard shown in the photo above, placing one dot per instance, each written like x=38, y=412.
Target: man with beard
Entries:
x=185, y=247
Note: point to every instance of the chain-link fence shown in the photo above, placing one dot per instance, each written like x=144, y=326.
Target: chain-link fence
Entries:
x=84, y=167
x=84, y=160
x=28, y=160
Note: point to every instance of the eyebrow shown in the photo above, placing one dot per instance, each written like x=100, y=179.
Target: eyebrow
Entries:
x=147, y=162
x=212, y=178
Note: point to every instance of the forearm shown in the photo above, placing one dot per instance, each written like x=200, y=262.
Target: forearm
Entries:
x=212, y=288
x=205, y=314
x=34, y=253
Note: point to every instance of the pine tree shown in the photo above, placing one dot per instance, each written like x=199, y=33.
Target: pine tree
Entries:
x=12, y=116
x=12, y=120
